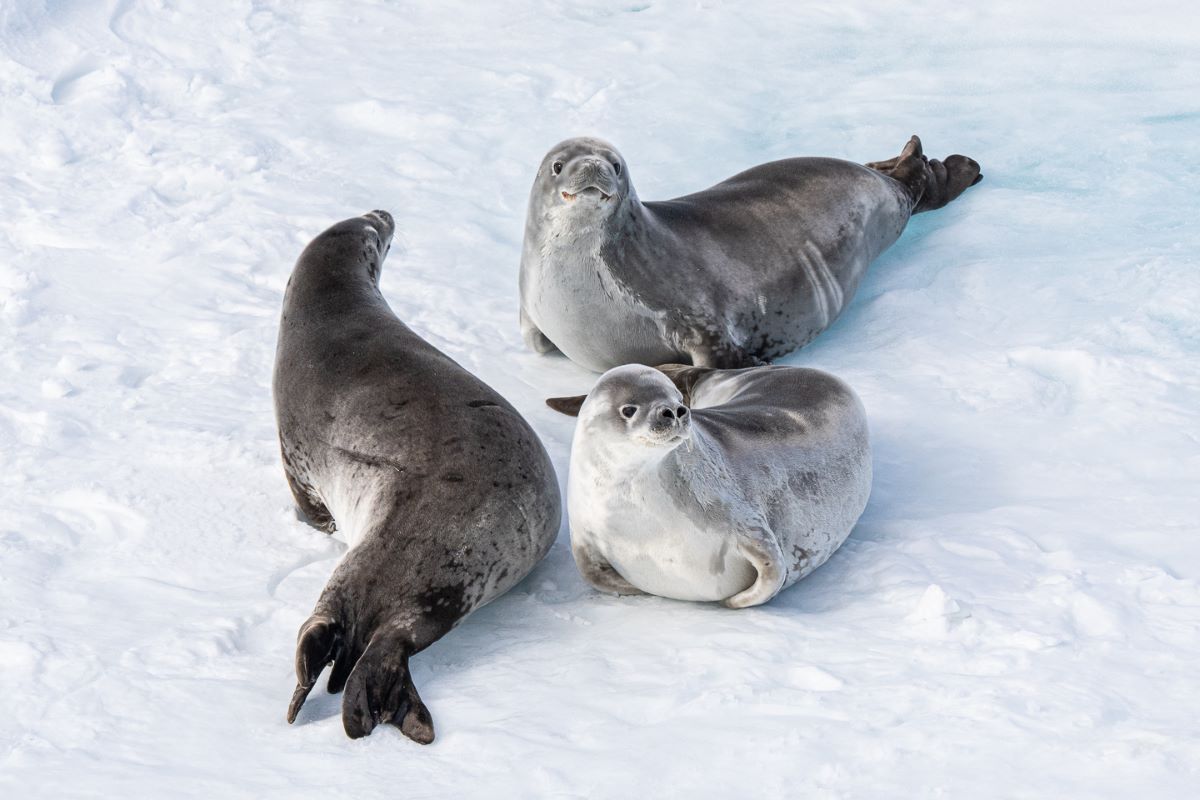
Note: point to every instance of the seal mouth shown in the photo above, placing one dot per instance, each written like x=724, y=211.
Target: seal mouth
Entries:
x=593, y=192
x=664, y=439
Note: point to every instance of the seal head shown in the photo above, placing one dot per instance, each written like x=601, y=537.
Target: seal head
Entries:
x=586, y=175
x=632, y=408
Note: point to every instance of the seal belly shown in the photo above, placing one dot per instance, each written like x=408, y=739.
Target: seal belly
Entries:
x=661, y=552
x=682, y=564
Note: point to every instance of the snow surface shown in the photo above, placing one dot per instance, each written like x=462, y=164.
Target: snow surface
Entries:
x=1018, y=613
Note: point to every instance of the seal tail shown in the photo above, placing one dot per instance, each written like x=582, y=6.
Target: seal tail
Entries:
x=931, y=183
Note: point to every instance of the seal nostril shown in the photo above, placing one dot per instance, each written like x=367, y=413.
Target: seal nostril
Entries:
x=681, y=412
x=668, y=414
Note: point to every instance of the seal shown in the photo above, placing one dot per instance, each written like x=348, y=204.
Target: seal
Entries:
x=703, y=484
x=444, y=493
x=732, y=276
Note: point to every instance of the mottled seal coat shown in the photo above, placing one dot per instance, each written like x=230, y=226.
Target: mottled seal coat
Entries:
x=743, y=272
x=706, y=484
x=444, y=493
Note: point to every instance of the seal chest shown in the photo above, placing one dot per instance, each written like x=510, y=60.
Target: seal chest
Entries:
x=705, y=484
x=573, y=273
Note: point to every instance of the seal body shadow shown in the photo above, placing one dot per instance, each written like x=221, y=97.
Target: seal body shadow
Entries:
x=732, y=276
x=443, y=492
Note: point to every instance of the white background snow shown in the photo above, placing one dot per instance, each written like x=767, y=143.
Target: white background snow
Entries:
x=1017, y=614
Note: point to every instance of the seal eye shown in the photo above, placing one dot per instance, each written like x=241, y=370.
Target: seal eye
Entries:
x=628, y=411
x=557, y=167
x=617, y=167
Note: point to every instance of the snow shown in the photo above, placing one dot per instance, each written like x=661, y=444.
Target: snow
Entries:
x=1017, y=614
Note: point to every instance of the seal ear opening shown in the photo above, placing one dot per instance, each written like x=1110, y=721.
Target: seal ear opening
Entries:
x=567, y=405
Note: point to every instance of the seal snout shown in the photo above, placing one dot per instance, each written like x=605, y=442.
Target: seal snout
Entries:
x=589, y=177
x=670, y=421
x=677, y=413
x=383, y=223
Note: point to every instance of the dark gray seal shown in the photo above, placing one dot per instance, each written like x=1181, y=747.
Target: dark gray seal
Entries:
x=444, y=493
x=743, y=272
x=707, y=484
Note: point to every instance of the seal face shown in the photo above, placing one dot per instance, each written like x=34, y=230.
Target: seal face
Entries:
x=443, y=491
x=744, y=271
x=703, y=484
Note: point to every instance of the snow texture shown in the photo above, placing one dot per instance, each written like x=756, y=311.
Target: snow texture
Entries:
x=1016, y=615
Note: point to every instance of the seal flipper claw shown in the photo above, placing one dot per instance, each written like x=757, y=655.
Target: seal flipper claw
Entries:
x=318, y=643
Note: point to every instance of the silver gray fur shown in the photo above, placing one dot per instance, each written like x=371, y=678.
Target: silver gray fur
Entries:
x=739, y=273
x=443, y=491
x=703, y=484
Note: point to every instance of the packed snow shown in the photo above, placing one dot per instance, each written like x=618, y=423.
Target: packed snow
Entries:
x=1016, y=615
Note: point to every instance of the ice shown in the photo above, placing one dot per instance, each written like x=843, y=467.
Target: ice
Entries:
x=1018, y=612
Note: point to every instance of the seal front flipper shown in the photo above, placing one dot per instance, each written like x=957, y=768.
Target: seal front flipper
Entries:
x=537, y=341
x=314, y=511
x=380, y=689
x=597, y=571
x=761, y=549
x=705, y=348
x=725, y=356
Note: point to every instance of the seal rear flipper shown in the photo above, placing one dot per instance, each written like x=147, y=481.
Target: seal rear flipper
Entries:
x=319, y=643
x=932, y=184
x=380, y=689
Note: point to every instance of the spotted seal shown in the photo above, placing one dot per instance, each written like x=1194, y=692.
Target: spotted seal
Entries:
x=443, y=492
